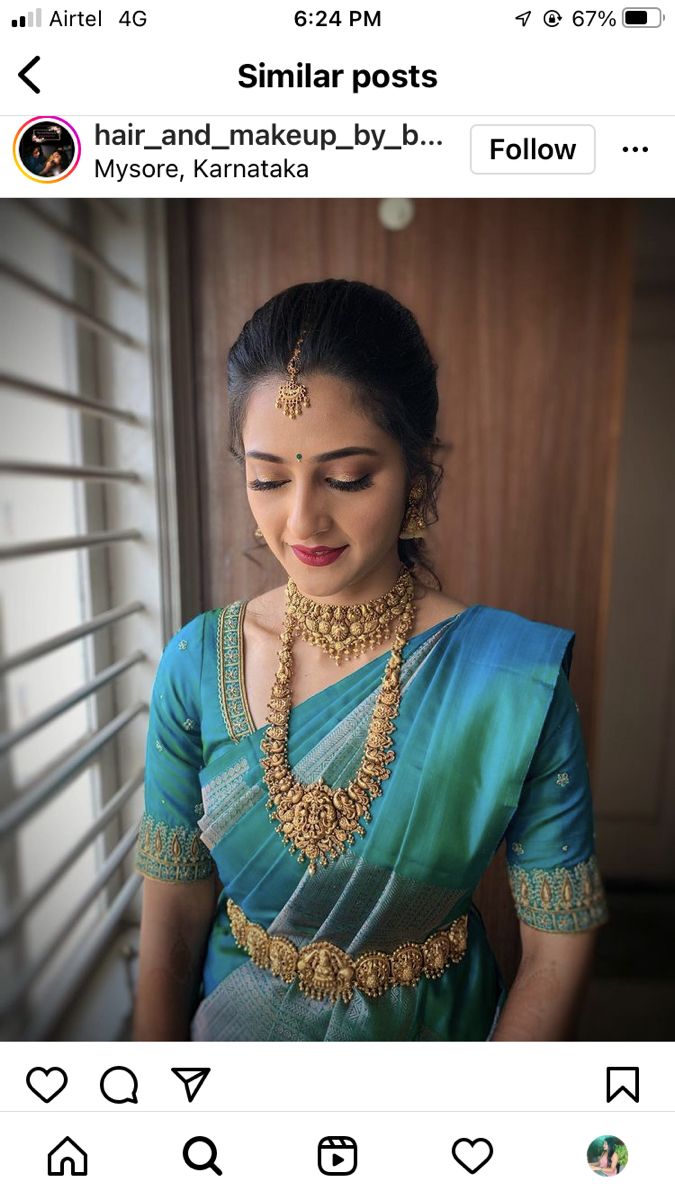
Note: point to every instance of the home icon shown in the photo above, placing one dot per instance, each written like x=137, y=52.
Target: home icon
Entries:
x=67, y=1155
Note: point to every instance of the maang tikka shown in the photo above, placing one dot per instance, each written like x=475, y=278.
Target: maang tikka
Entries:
x=293, y=396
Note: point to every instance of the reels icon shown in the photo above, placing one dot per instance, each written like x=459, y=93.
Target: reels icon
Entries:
x=337, y=1156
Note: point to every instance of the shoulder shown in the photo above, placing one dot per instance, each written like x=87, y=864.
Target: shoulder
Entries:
x=218, y=631
x=502, y=639
x=182, y=657
x=187, y=639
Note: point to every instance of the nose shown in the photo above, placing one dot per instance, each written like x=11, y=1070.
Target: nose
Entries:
x=307, y=516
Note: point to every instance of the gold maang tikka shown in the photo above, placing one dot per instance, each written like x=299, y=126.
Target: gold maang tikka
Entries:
x=293, y=396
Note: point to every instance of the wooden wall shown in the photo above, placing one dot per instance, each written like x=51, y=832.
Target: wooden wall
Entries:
x=634, y=759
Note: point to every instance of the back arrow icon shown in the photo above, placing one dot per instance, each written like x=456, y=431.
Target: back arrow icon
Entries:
x=23, y=73
x=524, y=17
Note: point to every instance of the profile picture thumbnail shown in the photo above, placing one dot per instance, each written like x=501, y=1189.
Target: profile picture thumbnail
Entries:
x=47, y=149
x=607, y=1155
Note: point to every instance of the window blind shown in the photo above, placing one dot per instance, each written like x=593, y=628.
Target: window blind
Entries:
x=86, y=592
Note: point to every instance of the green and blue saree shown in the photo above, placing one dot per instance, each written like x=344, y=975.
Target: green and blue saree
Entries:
x=488, y=748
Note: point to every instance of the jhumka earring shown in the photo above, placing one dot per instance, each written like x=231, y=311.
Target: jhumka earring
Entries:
x=293, y=396
x=413, y=521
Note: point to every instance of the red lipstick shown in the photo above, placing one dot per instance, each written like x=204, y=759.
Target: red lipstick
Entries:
x=318, y=556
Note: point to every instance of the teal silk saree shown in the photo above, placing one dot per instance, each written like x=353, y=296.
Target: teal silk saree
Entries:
x=488, y=748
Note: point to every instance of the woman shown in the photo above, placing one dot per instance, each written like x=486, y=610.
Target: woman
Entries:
x=384, y=734
x=608, y=1163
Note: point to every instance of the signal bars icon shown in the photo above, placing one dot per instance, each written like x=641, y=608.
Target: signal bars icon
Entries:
x=30, y=21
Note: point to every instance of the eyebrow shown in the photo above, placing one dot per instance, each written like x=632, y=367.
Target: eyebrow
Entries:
x=328, y=456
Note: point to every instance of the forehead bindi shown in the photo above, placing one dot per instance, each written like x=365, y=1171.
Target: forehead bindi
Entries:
x=341, y=452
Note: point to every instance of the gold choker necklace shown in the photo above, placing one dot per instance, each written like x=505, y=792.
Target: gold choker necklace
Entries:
x=318, y=822
x=344, y=631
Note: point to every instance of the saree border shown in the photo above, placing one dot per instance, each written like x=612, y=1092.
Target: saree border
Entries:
x=563, y=899
x=230, y=658
x=173, y=853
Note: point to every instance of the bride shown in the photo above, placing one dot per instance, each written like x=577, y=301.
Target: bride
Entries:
x=332, y=765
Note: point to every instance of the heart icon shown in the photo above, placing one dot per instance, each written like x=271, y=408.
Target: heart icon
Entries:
x=472, y=1155
x=46, y=1084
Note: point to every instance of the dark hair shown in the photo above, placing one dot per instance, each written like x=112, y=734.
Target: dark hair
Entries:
x=364, y=336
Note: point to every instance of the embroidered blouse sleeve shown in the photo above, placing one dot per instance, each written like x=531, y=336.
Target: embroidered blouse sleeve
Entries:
x=169, y=845
x=550, y=841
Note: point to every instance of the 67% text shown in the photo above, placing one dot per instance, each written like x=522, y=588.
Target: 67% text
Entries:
x=589, y=15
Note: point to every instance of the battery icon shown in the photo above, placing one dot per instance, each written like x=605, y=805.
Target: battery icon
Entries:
x=642, y=18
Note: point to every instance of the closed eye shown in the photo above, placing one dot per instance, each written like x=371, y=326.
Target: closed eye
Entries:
x=342, y=485
x=350, y=485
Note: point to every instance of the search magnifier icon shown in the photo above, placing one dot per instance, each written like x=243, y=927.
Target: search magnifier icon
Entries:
x=198, y=1162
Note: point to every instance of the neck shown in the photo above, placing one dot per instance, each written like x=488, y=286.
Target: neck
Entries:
x=362, y=591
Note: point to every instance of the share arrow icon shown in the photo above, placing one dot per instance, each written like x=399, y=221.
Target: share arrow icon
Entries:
x=524, y=17
x=192, y=1079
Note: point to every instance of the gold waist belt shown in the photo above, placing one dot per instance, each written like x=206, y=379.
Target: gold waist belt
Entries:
x=324, y=971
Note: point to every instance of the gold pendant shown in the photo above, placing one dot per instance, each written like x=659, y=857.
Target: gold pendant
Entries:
x=325, y=972
x=319, y=821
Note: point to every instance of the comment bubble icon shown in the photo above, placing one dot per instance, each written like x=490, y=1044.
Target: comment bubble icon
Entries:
x=119, y=1085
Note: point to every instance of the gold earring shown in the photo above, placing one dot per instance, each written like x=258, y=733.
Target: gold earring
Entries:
x=413, y=521
x=257, y=532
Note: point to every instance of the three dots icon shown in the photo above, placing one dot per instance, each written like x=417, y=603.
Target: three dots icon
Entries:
x=636, y=149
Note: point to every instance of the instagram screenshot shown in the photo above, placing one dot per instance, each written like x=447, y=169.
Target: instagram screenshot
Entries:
x=337, y=589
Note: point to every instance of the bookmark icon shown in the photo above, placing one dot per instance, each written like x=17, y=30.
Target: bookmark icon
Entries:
x=623, y=1079
x=192, y=1079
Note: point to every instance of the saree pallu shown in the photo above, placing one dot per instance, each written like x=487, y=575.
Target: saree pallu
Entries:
x=487, y=745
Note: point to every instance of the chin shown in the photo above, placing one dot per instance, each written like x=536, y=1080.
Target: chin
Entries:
x=319, y=581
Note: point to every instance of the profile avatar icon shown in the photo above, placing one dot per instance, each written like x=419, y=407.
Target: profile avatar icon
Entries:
x=46, y=149
x=607, y=1155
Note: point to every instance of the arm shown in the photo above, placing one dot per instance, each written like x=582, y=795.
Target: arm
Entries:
x=555, y=881
x=175, y=926
x=181, y=887
x=544, y=1002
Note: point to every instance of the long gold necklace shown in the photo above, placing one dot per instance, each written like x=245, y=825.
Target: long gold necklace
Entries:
x=318, y=822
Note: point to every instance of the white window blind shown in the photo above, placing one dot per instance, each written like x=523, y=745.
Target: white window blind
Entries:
x=88, y=592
